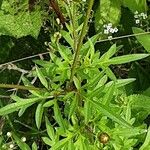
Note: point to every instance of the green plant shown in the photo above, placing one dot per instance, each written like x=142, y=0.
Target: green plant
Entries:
x=77, y=100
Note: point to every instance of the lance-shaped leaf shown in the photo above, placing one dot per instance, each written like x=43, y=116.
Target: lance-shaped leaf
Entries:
x=16, y=106
x=109, y=113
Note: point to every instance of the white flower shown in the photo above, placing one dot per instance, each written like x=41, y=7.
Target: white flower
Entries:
x=11, y=146
x=106, y=31
x=136, y=16
x=144, y=16
x=116, y=29
x=136, y=12
x=137, y=21
x=110, y=37
x=9, y=134
x=58, y=20
x=23, y=139
x=112, y=30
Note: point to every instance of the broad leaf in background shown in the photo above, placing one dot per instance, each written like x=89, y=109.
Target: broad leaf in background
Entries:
x=19, y=23
x=135, y=5
x=143, y=39
x=108, y=12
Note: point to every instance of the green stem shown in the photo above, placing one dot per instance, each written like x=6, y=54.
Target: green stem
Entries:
x=21, y=87
x=83, y=33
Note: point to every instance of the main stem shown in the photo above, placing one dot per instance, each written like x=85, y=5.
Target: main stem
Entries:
x=80, y=41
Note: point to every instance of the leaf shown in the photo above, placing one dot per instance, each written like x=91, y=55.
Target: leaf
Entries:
x=21, y=24
x=50, y=129
x=27, y=83
x=109, y=53
x=73, y=105
x=58, y=116
x=76, y=82
x=146, y=143
x=49, y=103
x=67, y=37
x=109, y=95
x=105, y=110
x=135, y=5
x=62, y=51
x=87, y=111
x=15, y=106
x=41, y=77
x=110, y=74
x=143, y=39
x=140, y=101
x=47, y=141
x=121, y=82
x=34, y=146
x=60, y=143
x=39, y=115
x=86, y=46
x=21, y=145
x=125, y=59
x=94, y=81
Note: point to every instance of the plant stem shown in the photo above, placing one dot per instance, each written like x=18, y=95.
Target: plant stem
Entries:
x=80, y=41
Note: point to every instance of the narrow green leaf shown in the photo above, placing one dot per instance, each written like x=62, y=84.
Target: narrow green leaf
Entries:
x=94, y=81
x=39, y=115
x=49, y=103
x=86, y=46
x=23, y=109
x=22, y=145
x=60, y=144
x=87, y=111
x=27, y=83
x=146, y=143
x=110, y=74
x=73, y=106
x=143, y=39
x=125, y=59
x=62, y=51
x=76, y=82
x=67, y=37
x=49, y=128
x=41, y=77
x=109, y=95
x=109, y=53
x=121, y=82
x=109, y=113
x=58, y=116
x=15, y=106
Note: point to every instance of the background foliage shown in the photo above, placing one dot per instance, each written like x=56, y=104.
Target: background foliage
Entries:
x=90, y=90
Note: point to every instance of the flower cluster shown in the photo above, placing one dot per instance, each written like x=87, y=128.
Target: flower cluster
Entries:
x=139, y=17
x=10, y=142
x=109, y=30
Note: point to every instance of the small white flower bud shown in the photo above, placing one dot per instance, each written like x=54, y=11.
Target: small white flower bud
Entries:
x=137, y=21
x=106, y=31
x=136, y=12
x=23, y=139
x=112, y=30
x=116, y=29
x=144, y=16
x=9, y=134
x=58, y=20
x=11, y=146
x=110, y=37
